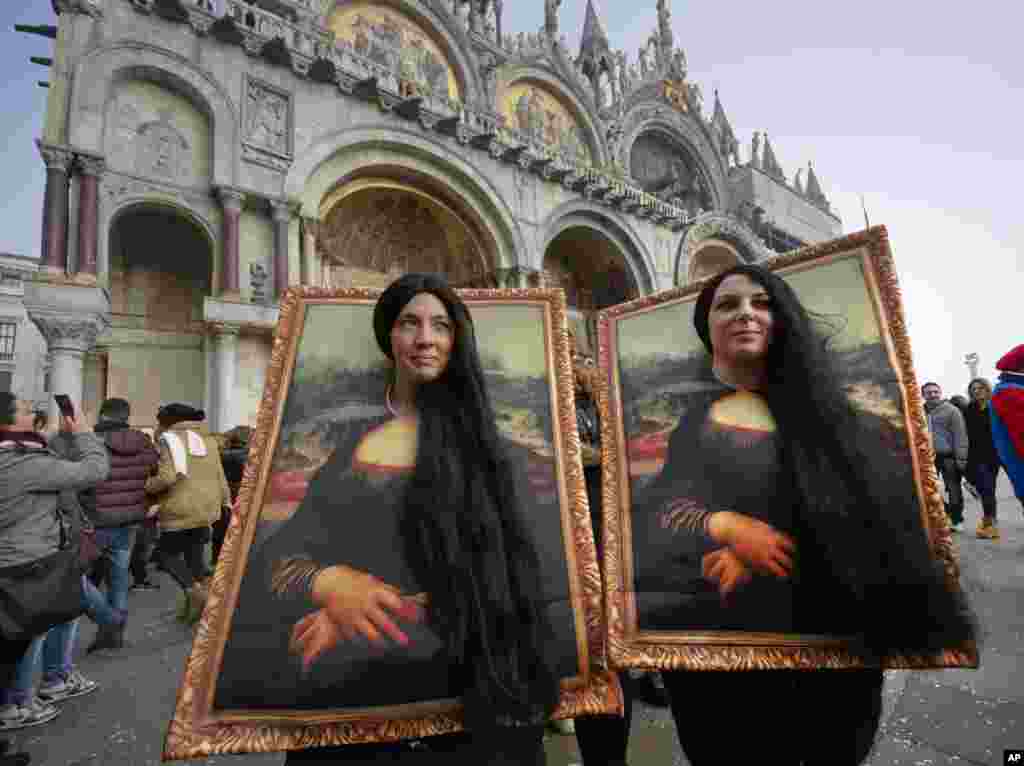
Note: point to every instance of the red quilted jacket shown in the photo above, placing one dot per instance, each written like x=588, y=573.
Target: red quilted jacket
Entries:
x=121, y=499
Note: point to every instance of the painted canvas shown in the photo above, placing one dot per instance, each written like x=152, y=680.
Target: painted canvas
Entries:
x=326, y=485
x=685, y=441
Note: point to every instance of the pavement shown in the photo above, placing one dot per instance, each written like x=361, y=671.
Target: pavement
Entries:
x=931, y=717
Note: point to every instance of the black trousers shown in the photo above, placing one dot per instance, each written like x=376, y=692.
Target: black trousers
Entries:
x=785, y=717
x=952, y=477
x=507, y=747
x=142, y=550
x=180, y=553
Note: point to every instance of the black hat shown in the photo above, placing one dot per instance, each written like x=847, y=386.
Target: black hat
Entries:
x=177, y=411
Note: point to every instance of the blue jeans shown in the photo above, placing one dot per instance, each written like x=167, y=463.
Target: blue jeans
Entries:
x=116, y=545
x=97, y=607
x=984, y=476
x=54, y=650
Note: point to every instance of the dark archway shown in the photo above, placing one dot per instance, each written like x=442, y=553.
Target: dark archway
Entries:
x=161, y=267
x=593, y=272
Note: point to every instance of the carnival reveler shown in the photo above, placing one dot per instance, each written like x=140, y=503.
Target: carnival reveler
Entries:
x=434, y=592
x=780, y=508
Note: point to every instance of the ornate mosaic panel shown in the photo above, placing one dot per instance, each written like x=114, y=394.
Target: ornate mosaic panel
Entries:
x=395, y=41
x=536, y=112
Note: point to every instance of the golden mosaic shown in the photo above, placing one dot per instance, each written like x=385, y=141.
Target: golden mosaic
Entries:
x=393, y=40
x=535, y=111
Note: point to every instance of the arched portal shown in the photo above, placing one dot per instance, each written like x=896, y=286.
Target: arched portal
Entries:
x=161, y=266
x=375, y=228
x=712, y=257
x=593, y=272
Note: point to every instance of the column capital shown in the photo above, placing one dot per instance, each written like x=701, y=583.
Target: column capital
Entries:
x=72, y=333
x=91, y=165
x=282, y=210
x=55, y=157
x=231, y=198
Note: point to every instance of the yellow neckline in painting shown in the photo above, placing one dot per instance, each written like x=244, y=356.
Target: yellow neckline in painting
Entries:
x=389, y=448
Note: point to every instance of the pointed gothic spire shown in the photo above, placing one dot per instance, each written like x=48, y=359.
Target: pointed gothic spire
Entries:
x=665, y=28
x=720, y=121
x=769, y=164
x=798, y=182
x=594, y=48
x=813, y=191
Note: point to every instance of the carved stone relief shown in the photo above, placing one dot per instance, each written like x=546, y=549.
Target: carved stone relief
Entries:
x=267, y=117
x=161, y=150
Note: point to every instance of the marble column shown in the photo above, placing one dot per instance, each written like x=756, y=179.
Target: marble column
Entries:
x=68, y=338
x=310, y=228
x=231, y=201
x=91, y=168
x=281, y=215
x=224, y=344
x=54, y=260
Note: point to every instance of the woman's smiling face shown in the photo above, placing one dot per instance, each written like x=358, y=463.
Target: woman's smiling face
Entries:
x=421, y=340
x=740, y=320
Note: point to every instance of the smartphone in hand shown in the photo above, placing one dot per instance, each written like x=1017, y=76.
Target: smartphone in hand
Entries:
x=67, y=409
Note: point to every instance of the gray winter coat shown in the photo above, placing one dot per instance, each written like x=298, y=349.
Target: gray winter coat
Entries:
x=30, y=480
x=949, y=432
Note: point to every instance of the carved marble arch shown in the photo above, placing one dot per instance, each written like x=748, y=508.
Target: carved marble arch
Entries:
x=374, y=228
x=713, y=243
x=565, y=107
x=96, y=73
x=426, y=39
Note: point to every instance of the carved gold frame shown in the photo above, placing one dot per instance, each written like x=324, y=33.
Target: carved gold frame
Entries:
x=630, y=647
x=197, y=730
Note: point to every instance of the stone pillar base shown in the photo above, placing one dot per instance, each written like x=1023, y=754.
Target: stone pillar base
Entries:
x=231, y=296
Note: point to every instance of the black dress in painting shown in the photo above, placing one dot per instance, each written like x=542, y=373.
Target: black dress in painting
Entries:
x=350, y=515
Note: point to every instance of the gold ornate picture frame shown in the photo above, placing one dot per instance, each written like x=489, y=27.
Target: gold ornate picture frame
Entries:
x=320, y=338
x=854, y=276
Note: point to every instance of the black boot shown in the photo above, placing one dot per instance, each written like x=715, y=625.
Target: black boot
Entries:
x=108, y=637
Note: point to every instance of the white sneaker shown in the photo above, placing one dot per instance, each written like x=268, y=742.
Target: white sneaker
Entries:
x=75, y=685
x=34, y=713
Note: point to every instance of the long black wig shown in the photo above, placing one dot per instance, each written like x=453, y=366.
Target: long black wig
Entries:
x=464, y=531
x=885, y=585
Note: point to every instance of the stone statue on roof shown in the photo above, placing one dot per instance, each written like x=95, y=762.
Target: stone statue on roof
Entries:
x=551, y=18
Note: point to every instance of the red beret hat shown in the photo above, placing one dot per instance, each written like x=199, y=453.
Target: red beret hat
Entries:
x=1013, y=361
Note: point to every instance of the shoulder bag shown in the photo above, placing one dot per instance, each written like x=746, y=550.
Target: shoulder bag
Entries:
x=40, y=594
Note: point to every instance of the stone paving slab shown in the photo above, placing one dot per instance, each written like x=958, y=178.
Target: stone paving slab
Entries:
x=957, y=722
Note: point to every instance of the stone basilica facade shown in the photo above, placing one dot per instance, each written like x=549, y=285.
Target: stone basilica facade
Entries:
x=203, y=155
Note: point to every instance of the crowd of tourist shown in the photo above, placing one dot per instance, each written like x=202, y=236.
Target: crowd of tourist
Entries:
x=84, y=513
x=977, y=437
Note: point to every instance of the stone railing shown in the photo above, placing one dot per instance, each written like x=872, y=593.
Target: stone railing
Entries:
x=255, y=20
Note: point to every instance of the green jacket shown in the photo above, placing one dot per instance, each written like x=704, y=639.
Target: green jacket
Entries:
x=195, y=500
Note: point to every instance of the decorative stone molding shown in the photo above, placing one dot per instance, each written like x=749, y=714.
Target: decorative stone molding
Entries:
x=219, y=330
x=57, y=158
x=91, y=165
x=92, y=8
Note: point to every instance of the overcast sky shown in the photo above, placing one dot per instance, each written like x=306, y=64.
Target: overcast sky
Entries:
x=916, y=105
